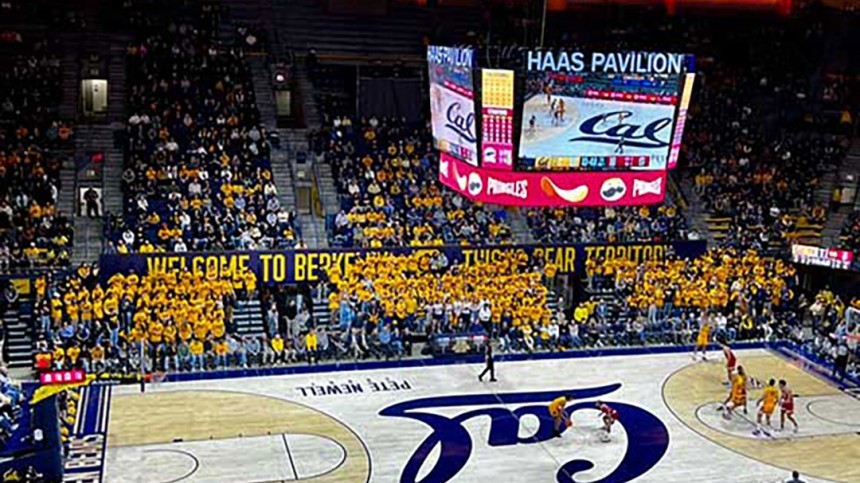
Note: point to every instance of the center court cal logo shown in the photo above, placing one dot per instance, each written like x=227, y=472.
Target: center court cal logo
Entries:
x=647, y=436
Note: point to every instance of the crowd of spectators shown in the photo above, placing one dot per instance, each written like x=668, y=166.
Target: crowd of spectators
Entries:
x=32, y=143
x=832, y=322
x=11, y=398
x=659, y=223
x=754, y=295
x=850, y=235
x=384, y=298
x=742, y=295
x=755, y=148
x=183, y=321
x=428, y=293
x=197, y=177
x=387, y=180
x=197, y=173
x=766, y=188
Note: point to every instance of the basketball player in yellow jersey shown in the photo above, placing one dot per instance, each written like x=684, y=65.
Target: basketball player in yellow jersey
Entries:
x=703, y=338
x=559, y=416
x=767, y=404
x=738, y=395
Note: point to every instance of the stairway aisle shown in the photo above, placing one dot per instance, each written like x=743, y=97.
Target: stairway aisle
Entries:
x=71, y=82
x=98, y=138
x=18, y=321
x=833, y=226
x=66, y=195
x=263, y=90
x=295, y=144
x=328, y=189
x=282, y=171
x=248, y=318
x=836, y=220
x=519, y=226
x=116, y=80
x=310, y=109
x=696, y=212
x=117, y=115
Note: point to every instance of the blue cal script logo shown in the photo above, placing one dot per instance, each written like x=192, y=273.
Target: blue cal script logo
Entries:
x=464, y=126
x=629, y=133
x=647, y=436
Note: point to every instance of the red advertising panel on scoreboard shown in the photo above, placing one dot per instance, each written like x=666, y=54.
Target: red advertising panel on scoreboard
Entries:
x=822, y=257
x=497, y=109
x=562, y=189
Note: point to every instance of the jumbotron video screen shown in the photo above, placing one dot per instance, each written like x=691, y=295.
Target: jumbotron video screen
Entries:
x=452, y=101
x=563, y=128
x=603, y=112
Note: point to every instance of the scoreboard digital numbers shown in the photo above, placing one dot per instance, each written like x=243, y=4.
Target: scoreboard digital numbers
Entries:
x=822, y=257
x=497, y=100
x=591, y=163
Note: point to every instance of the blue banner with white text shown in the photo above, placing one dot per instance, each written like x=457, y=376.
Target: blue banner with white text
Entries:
x=309, y=266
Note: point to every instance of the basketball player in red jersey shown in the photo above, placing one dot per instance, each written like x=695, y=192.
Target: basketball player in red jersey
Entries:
x=786, y=405
x=731, y=362
x=609, y=417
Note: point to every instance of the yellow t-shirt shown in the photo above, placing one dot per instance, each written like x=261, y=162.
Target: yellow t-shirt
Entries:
x=196, y=347
x=277, y=344
x=556, y=407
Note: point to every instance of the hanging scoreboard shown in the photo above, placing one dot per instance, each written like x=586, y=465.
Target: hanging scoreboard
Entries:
x=497, y=114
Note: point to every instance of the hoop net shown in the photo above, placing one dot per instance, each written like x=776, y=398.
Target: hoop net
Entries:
x=154, y=379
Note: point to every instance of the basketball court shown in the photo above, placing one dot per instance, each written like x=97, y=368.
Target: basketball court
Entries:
x=438, y=423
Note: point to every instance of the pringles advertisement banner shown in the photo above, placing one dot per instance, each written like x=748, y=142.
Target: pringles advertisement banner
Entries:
x=555, y=189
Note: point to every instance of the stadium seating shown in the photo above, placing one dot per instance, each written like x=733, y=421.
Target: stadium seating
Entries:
x=33, y=145
x=755, y=200
x=198, y=178
x=11, y=398
x=746, y=296
x=198, y=174
x=665, y=222
x=185, y=320
x=389, y=192
x=756, y=167
x=850, y=235
x=426, y=293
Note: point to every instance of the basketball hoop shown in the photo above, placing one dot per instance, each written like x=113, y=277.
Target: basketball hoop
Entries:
x=154, y=379
x=852, y=340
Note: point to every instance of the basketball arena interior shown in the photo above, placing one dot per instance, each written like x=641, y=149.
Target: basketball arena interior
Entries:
x=429, y=241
